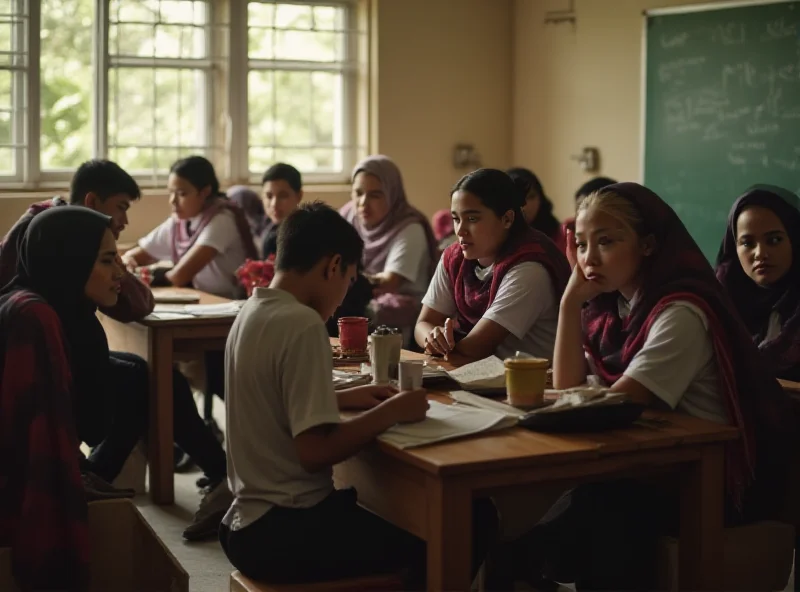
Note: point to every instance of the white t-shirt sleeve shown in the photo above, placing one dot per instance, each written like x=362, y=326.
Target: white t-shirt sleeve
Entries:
x=407, y=250
x=158, y=243
x=220, y=234
x=439, y=296
x=525, y=292
x=677, y=348
x=309, y=397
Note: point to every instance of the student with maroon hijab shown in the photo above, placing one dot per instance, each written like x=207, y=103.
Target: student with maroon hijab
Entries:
x=759, y=265
x=496, y=291
x=644, y=312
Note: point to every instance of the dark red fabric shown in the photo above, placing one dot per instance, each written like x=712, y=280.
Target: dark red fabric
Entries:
x=135, y=299
x=43, y=512
x=474, y=297
x=755, y=463
x=755, y=303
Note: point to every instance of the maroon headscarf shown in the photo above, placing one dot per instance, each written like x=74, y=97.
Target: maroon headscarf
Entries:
x=756, y=304
x=182, y=241
x=756, y=404
x=474, y=297
x=378, y=240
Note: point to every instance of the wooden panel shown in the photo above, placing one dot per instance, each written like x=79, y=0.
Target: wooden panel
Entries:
x=387, y=487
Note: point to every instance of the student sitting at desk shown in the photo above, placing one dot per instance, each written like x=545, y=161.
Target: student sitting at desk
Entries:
x=282, y=193
x=399, y=248
x=207, y=238
x=538, y=209
x=53, y=357
x=288, y=524
x=759, y=265
x=496, y=291
x=644, y=309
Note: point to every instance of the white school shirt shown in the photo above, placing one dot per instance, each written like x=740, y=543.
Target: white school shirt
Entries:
x=677, y=362
x=273, y=394
x=409, y=258
x=525, y=306
x=222, y=235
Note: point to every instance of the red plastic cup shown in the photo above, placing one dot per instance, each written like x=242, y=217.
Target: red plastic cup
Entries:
x=353, y=334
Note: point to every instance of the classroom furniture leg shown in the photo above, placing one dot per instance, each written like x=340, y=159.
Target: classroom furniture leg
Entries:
x=449, y=535
x=700, y=565
x=160, y=442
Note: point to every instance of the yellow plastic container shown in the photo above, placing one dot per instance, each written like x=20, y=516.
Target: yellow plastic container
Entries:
x=526, y=378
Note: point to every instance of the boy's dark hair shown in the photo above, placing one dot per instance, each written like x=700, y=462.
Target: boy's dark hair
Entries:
x=199, y=171
x=593, y=185
x=284, y=172
x=104, y=178
x=313, y=231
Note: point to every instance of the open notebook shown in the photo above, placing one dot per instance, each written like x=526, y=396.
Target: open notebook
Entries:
x=446, y=422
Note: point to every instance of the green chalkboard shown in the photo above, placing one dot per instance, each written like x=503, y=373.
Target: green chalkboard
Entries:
x=722, y=108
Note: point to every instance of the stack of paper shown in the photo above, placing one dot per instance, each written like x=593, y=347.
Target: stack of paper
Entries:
x=445, y=422
x=344, y=380
x=489, y=373
x=225, y=309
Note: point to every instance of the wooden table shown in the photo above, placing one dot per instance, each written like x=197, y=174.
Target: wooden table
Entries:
x=157, y=341
x=429, y=490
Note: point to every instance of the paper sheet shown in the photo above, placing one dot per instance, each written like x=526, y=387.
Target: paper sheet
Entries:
x=445, y=422
x=224, y=309
x=487, y=373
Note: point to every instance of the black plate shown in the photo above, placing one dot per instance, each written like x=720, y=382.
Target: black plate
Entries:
x=592, y=418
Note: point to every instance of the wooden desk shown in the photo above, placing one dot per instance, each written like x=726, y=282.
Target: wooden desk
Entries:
x=793, y=388
x=157, y=341
x=429, y=490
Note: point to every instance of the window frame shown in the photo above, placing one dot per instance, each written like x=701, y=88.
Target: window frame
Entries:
x=226, y=114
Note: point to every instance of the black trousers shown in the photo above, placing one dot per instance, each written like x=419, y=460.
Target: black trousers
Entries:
x=126, y=421
x=601, y=536
x=337, y=539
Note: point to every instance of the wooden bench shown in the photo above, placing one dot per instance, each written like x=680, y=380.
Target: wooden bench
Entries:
x=380, y=583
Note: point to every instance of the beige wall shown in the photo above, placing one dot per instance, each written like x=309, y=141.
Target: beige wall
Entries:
x=444, y=76
x=579, y=86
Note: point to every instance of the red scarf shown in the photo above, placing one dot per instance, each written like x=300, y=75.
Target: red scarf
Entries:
x=474, y=297
x=182, y=241
x=755, y=402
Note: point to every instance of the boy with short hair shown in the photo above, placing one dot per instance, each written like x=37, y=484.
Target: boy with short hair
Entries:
x=282, y=187
x=287, y=522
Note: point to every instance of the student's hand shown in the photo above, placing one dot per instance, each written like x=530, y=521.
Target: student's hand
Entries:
x=129, y=263
x=365, y=397
x=579, y=289
x=409, y=406
x=441, y=341
x=572, y=249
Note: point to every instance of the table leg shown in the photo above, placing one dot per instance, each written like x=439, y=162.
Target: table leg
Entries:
x=449, y=535
x=160, y=441
x=700, y=563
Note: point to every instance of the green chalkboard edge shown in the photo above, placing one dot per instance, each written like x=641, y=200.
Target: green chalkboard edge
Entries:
x=652, y=12
x=707, y=7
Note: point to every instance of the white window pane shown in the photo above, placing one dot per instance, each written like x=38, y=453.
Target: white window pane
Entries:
x=67, y=83
x=159, y=41
x=155, y=114
x=327, y=108
x=314, y=160
x=295, y=16
x=293, y=114
x=327, y=18
x=183, y=11
x=261, y=159
x=260, y=43
x=314, y=46
x=261, y=116
x=6, y=108
x=7, y=165
x=143, y=11
x=260, y=14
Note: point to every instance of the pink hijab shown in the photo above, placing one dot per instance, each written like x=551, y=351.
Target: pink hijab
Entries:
x=378, y=240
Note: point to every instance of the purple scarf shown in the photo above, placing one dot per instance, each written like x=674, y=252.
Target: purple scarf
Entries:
x=378, y=240
x=250, y=203
x=756, y=304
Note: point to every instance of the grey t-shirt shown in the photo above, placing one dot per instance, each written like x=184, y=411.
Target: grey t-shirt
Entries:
x=278, y=369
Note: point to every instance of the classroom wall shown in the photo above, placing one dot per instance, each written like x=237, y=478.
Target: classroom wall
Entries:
x=444, y=76
x=579, y=85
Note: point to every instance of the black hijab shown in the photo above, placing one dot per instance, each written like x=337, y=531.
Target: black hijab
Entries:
x=56, y=256
x=755, y=303
x=526, y=182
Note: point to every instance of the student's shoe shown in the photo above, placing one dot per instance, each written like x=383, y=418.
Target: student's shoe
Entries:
x=215, y=503
x=95, y=488
x=183, y=462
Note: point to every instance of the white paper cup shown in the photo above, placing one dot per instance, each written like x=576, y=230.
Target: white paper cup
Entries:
x=410, y=375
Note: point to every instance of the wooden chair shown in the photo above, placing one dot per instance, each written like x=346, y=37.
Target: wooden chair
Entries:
x=380, y=583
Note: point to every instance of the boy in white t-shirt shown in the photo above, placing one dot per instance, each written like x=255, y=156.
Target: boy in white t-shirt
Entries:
x=287, y=522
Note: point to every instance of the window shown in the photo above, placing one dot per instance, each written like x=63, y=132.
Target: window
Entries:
x=144, y=82
x=300, y=75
